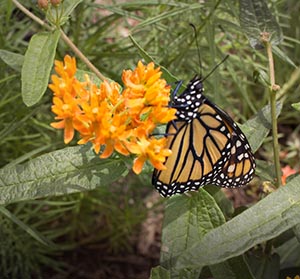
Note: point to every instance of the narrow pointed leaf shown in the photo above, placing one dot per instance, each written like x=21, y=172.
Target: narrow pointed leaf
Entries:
x=14, y=60
x=166, y=74
x=283, y=56
x=70, y=170
x=296, y=106
x=256, y=18
x=35, y=234
x=37, y=66
x=69, y=6
x=265, y=220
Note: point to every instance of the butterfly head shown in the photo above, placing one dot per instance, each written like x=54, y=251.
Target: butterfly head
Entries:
x=188, y=103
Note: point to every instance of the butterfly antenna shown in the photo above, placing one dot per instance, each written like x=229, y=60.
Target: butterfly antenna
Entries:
x=215, y=67
x=198, y=48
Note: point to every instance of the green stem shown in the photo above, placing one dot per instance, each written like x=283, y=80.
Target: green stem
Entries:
x=272, y=90
x=275, y=138
x=64, y=37
x=293, y=79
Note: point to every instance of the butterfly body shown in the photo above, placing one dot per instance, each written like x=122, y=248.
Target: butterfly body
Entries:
x=207, y=147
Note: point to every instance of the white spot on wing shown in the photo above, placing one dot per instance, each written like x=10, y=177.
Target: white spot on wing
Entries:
x=231, y=168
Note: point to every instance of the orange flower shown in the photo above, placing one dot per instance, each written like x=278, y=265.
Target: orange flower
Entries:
x=65, y=109
x=145, y=90
x=286, y=172
x=111, y=119
x=65, y=101
x=67, y=68
x=152, y=149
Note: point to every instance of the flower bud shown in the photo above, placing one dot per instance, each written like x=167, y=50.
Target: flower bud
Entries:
x=43, y=4
x=55, y=2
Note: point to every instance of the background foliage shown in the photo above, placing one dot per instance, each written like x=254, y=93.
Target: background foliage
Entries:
x=39, y=232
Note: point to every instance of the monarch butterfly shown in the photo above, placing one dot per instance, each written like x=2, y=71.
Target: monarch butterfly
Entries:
x=207, y=146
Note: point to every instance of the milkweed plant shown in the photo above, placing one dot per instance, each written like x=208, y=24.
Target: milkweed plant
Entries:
x=115, y=126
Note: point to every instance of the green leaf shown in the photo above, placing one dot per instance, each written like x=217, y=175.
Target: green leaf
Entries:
x=289, y=253
x=283, y=238
x=264, y=266
x=35, y=234
x=187, y=219
x=69, y=6
x=166, y=74
x=296, y=230
x=14, y=60
x=283, y=56
x=265, y=170
x=232, y=269
x=262, y=76
x=223, y=202
x=257, y=128
x=256, y=18
x=64, y=10
x=265, y=220
x=37, y=66
x=183, y=8
x=296, y=106
x=160, y=273
x=69, y=170
x=80, y=75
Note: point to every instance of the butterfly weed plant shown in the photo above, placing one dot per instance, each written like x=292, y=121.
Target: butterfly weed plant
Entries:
x=109, y=115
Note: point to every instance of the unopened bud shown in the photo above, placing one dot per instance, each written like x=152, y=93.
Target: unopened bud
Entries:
x=43, y=4
x=55, y=2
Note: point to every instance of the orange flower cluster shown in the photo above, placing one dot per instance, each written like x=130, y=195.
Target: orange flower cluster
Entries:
x=111, y=118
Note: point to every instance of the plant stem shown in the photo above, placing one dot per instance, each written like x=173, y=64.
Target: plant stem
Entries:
x=294, y=79
x=31, y=15
x=275, y=138
x=64, y=37
x=81, y=55
x=272, y=90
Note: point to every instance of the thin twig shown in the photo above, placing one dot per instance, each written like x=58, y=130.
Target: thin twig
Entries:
x=32, y=16
x=81, y=55
x=64, y=37
x=294, y=78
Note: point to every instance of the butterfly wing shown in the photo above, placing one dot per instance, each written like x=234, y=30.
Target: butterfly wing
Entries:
x=239, y=168
x=207, y=147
